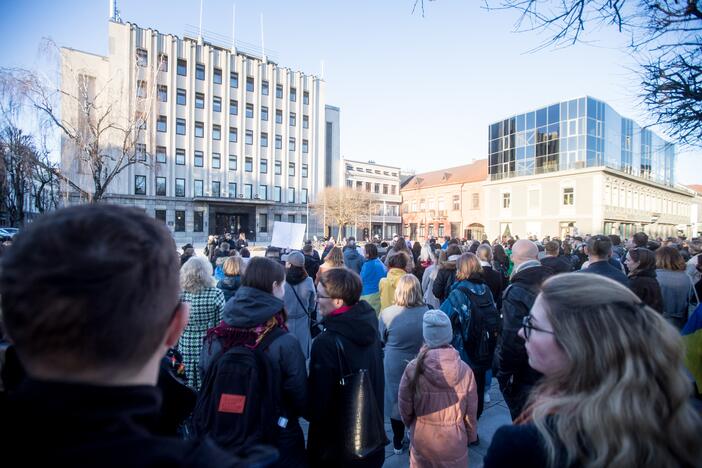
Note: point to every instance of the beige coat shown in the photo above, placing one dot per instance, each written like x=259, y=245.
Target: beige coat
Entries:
x=442, y=413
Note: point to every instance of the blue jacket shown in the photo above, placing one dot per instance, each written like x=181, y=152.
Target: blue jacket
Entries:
x=371, y=274
x=606, y=269
x=353, y=260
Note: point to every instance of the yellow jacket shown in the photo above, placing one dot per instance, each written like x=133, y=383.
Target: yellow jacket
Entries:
x=388, y=285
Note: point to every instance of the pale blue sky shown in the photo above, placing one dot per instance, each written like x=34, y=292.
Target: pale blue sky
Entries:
x=414, y=92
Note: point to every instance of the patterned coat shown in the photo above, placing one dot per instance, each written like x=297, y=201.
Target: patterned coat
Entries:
x=206, y=308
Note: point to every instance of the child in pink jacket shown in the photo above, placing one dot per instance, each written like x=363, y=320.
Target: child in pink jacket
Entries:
x=438, y=399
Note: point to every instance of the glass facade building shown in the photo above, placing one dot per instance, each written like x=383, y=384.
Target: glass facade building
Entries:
x=575, y=134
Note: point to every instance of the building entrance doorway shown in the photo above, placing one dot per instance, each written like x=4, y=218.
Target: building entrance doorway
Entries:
x=233, y=223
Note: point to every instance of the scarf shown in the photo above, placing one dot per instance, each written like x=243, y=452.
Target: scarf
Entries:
x=250, y=337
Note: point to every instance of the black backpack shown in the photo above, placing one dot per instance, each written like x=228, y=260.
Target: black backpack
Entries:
x=238, y=403
x=484, y=327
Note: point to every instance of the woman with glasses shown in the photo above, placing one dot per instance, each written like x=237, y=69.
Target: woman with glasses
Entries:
x=614, y=391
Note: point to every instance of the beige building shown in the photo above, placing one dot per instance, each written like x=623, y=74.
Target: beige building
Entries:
x=696, y=210
x=230, y=141
x=448, y=202
x=383, y=184
x=585, y=201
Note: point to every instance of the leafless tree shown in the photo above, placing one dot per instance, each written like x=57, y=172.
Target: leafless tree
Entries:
x=343, y=206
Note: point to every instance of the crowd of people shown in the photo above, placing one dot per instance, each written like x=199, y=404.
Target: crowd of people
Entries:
x=120, y=352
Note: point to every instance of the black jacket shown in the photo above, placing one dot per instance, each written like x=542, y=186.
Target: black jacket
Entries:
x=312, y=266
x=604, y=268
x=67, y=424
x=519, y=445
x=558, y=264
x=357, y=329
x=494, y=281
x=444, y=279
x=646, y=286
x=513, y=371
x=229, y=285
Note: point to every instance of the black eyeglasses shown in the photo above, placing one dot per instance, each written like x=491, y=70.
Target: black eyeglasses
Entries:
x=319, y=296
x=528, y=327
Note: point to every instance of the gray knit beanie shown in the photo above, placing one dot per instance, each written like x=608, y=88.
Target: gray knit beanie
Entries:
x=437, y=329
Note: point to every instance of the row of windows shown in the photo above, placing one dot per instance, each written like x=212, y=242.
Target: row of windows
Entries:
x=375, y=187
x=179, y=225
x=533, y=198
x=350, y=167
x=633, y=199
x=428, y=204
x=200, y=74
x=198, y=190
x=291, y=218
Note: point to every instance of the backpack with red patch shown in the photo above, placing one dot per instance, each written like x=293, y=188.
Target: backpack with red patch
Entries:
x=238, y=404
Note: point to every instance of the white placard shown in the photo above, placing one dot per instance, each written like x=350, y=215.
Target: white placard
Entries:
x=288, y=235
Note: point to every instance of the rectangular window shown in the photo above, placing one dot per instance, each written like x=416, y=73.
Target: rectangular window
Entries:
x=276, y=194
x=279, y=91
x=161, y=215
x=305, y=97
x=141, y=89
x=303, y=219
x=264, y=88
x=140, y=185
x=305, y=121
x=232, y=162
x=161, y=154
x=263, y=222
x=216, y=161
x=250, y=84
x=140, y=150
x=198, y=159
x=291, y=169
x=248, y=191
x=180, y=188
x=305, y=147
x=217, y=104
x=264, y=140
x=216, y=188
x=264, y=166
x=199, y=101
x=293, y=119
x=278, y=142
x=278, y=168
x=291, y=144
x=303, y=170
x=568, y=196
x=180, y=156
x=216, y=132
x=198, y=224
x=182, y=67
x=233, y=107
x=392, y=189
x=303, y=196
x=180, y=221
x=234, y=79
x=291, y=218
x=506, y=200
x=249, y=111
x=142, y=57
x=249, y=137
x=200, y=71
x=181, y=97
x=140, y=121
x=217, y=76
x=441, y=230
x=264, y=114
x=368, y=186
x=199, y=130
x=277, y=217
x=180, y=126
x=248, y=164
x=163, y=62
x=476, y=201
x=385, y=186
x=198, y=188
x=263, y=192
x=233, y=134
x=161, y=124
x=376, y=188
x=278, y=116
x=456, y=202
x=291, y=195
x=232, y=189
x=162, y=93
x=293, y=94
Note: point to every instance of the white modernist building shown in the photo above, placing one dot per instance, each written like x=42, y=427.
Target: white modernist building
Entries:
x=230, y=141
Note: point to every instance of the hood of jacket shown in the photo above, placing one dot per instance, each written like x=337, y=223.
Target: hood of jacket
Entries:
x=442, y=367
x=447, y=265
x=475, y=283
x=230, y=282
x=359, y=324
x=394, y=275
x=352, y=252
x=250, y=307
x=532, y=276
x=651, y=273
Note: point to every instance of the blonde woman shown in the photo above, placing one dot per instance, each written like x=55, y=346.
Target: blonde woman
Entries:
x=232, y=270
x=206, y=305
x=614, y=391
x=335, y=259
x=400, y=328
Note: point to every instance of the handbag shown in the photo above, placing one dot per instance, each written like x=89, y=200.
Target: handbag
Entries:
x=315, y=327
x=361, y=423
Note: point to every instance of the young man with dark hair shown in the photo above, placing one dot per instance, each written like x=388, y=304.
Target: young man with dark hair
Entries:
x=640, y=239
x=354, y=325
x=599, y=251
x=556, y=262
x=91, y=328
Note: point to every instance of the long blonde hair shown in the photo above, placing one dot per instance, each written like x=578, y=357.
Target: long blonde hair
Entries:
x=408, y=292
x=623, y=396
